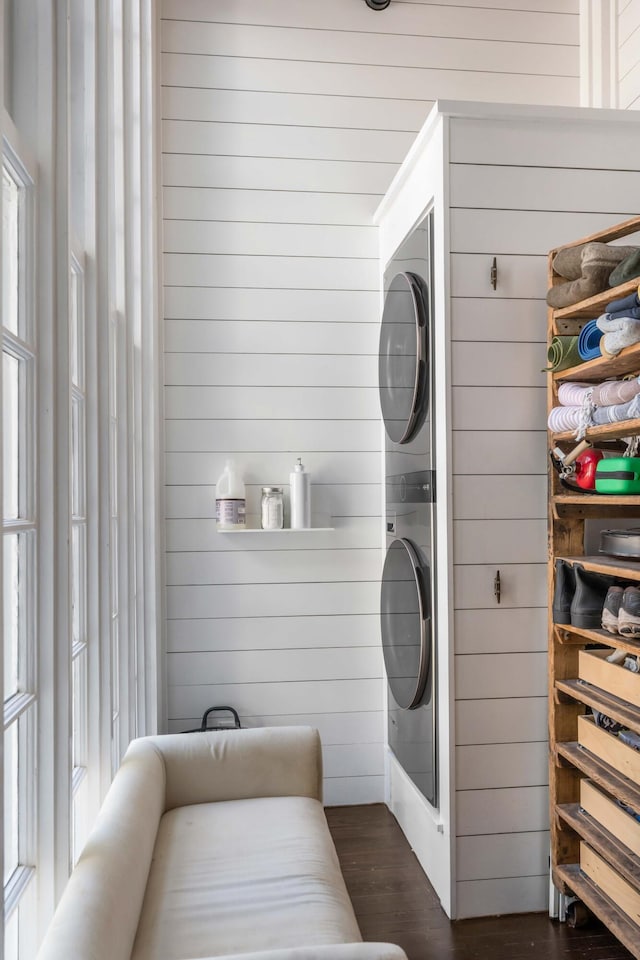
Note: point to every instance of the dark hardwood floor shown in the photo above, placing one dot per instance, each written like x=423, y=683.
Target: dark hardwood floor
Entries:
x=395, y=903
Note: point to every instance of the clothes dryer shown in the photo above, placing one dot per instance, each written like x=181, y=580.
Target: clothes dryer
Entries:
x=407, y=589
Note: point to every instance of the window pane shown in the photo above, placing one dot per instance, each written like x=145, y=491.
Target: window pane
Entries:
x=10, y=435
x=78, y=460
x=10, y=252
x=11, y=847
x=11, y=596
x=78, y=586
x=80, y=710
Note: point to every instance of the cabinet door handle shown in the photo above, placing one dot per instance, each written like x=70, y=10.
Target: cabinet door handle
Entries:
x=494, y=274
x=497, y=586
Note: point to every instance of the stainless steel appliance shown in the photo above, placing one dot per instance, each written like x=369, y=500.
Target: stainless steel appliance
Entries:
x=407, y=589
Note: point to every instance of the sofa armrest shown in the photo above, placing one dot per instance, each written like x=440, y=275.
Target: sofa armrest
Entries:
x=334, y=951
x=241, y=764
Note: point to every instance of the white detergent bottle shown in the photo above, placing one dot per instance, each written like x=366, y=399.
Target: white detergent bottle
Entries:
x=230, y=499
x=300, y=497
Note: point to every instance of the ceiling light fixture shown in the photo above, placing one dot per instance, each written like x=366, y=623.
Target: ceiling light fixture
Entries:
x=378, y=4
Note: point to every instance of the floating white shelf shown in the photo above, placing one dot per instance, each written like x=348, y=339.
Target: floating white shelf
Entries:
x=283, y=530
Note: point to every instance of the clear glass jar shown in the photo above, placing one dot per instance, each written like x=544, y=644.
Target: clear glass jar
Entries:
x=272, y=508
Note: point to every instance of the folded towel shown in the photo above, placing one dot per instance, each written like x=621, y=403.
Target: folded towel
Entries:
x=624, y=303
x=587, y=268
x=563, y=353
x=589, y=341
x=573, y=393
x=617, y=412
x=563, y=419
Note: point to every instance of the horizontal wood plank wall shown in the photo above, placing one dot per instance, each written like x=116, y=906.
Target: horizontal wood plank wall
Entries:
x=283, y=125
x=511, y=190
x=629, y=54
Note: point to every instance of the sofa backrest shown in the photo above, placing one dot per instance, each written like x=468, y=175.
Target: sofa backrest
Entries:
x=240, y=764
x=98, y=914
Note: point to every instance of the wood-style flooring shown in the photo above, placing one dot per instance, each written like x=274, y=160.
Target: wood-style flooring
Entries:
x=395, y=903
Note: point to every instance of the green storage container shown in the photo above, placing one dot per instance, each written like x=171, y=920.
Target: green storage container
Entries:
x=618, y=475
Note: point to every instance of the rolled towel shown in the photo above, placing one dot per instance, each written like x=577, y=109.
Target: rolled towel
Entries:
x=563, y=353
x=562, y=419
x=589, y=341
x=617, y=412
x=615, y=391
x=631, y=313
x=573, y=393
x=624, y=303
x=618, y=334
x=627, y=269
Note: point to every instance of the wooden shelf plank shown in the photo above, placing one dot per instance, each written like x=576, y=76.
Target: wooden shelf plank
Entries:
x=627, y=932
x=602, y=500
x=610, y=566
x=577, y=635
x=603, y=368
x=601, y=773
x=592, y=308
x=606, y=703
x=603, y=842
x=609, y=431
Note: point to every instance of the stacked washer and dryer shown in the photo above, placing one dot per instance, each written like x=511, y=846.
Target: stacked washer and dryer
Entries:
x=408, y=580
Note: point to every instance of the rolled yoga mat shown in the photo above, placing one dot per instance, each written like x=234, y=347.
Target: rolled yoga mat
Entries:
x=563, y=353
x=589, y=341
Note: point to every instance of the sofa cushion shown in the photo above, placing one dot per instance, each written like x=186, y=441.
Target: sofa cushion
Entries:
x=268, y=878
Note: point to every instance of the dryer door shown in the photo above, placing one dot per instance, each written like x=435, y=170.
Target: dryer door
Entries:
x=403, y=357
x=405, y=620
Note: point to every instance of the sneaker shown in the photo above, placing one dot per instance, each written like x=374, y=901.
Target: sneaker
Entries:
x=629, y=615
x=611, y=609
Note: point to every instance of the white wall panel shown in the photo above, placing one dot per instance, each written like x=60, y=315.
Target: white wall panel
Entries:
x=499, y=541
x=477, y=898
x=512, y=720
x=246, y=303
x=278, y=633
x=507, y=810
x=486, y=320
x=508, y=855
x=494, y=364
x=271, y=336
x=491, y=497
x=347, y=501
x=283, y=124
x=501, y=630
x=270, y=370
x=499, y=452
x=523, y=585
x=499, y=408
x=485, y=676
x=491, y=765
x=268, y=239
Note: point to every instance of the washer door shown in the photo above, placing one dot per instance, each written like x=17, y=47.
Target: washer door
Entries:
x=405, y=619
x=403, y=357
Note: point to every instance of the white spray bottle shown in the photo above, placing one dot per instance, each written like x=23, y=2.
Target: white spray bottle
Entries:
x=300, y=497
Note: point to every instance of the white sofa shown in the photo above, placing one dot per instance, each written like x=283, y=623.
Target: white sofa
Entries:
x=212, y=845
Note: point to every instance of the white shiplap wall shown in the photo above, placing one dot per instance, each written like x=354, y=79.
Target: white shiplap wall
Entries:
x=629, y=54
x=520, y=189
x=283, y=124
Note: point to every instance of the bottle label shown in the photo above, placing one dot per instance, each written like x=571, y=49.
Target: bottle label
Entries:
x=230, y=513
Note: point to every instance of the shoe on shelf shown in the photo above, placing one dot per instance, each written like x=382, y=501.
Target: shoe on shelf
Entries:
x=611, y=609
x=629, y=615
x=565, y=585
x=588, y=598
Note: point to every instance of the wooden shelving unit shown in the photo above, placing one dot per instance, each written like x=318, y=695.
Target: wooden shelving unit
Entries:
x=594, y=854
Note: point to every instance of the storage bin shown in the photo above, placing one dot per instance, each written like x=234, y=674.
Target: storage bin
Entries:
x=608, y=748
x=609, y=881
x=610, y=815
x=612, y=677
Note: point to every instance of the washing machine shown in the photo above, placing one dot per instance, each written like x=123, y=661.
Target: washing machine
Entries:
x=408, y=580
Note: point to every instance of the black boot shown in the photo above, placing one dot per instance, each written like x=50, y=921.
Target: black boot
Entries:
x=565, y=585
x=588, y=598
